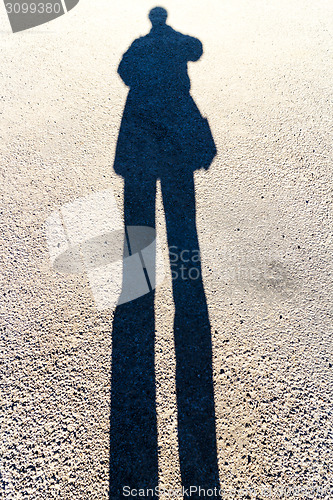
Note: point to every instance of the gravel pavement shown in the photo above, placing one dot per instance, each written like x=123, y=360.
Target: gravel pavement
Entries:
x=264, y=217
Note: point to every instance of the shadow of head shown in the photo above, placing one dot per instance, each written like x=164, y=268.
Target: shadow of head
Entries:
x=158, y=16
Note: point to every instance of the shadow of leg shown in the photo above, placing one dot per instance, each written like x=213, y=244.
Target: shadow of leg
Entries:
x=133, y=440
x=194, y=379
x=195, y=395
x=133, y=426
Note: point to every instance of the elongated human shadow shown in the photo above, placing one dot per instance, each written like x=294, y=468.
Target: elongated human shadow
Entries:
x=163, y=136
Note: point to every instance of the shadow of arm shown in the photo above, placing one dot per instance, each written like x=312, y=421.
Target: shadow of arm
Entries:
x=194, y=47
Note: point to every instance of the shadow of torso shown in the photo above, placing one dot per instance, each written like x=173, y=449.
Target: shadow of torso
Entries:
x=162, y=130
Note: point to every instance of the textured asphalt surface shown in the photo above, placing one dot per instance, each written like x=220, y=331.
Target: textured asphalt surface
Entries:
x=264, y=216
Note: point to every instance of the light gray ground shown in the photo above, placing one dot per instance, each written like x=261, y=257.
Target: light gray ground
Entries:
x=264, y=220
